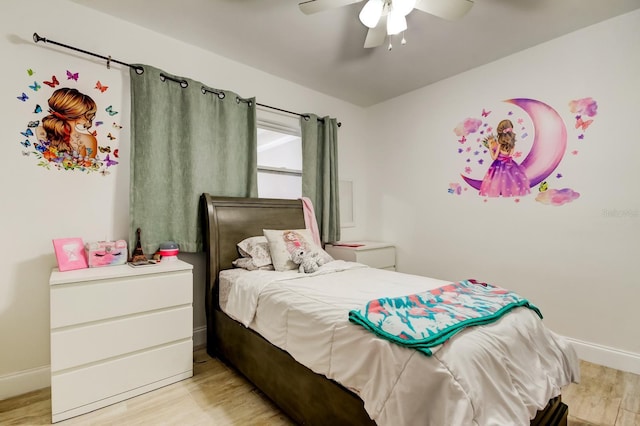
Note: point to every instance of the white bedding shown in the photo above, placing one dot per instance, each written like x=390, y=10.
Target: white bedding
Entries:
x=496, y=374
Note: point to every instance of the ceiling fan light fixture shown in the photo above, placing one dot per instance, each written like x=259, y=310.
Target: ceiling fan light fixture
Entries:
x=403, y=6
x=396, y=23
x=371, y=13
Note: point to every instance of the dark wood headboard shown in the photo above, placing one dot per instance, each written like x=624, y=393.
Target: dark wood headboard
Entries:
x=307, y=397
x=229, y=220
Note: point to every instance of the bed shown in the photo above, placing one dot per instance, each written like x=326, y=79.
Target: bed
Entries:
x=304, y=395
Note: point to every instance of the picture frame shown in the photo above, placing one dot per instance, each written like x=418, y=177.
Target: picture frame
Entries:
x=70, y=254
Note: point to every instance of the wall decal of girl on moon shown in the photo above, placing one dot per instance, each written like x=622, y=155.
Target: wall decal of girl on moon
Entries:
x=506, y=175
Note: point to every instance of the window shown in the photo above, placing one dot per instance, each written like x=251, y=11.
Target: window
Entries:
x=279, y=158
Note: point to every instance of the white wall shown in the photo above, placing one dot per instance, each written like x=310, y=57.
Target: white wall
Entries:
x=577, y=262
x=39, y=205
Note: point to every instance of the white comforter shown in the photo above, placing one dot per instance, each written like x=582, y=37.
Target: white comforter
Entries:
x=496, y=374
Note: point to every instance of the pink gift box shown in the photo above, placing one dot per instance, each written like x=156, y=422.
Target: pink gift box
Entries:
x=106, y=253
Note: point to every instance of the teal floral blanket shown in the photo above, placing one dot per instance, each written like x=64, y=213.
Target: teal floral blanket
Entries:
x=425, y=320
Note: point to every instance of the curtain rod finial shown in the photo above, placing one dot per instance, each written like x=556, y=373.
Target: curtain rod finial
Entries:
x=37, y=38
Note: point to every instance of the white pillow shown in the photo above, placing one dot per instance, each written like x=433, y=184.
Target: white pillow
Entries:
x=256, y=248
x=283, y=242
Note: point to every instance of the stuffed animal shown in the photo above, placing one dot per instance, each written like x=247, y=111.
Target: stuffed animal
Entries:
x=309, y=261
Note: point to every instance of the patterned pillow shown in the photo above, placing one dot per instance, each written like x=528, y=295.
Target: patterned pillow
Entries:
x=256, y=248
x=283, y=242
x=248, y=264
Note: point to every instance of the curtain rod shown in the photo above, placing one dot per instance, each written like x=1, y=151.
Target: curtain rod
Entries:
x=140, y=70
x=291, y=112
x=37, y=38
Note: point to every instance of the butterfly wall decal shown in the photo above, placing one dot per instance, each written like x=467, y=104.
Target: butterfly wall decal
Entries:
x=53, y=83
x=485, y=113
x=110, y=136
x=543, y=186
x=101, y=87
x=463, y=139
x=582, y=124
x=116, y=152
x=35, y=86
x=105, y=172
x=27, y=133
x=37, y=109
x=116, y=126
x=110, y=110
x=99, y=123
x=30, y=72
x=23, y=97
x=26, y=153
x=72, y=75
x=109, y=162
x=26, y=143
x=34, y=123
x=455, y=188
x=104, y=149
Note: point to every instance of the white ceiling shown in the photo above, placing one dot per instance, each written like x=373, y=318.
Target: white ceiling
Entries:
x=324, y=51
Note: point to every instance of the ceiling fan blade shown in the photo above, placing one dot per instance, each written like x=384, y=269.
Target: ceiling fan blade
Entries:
x=446, y=9
x=377, y=34
x=309, y=7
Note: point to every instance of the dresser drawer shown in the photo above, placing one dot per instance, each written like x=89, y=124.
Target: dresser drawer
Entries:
x=102, y=299
x=74, y=389
x=76, y=346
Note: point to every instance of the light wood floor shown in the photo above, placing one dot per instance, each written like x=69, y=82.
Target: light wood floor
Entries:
x=216, y=395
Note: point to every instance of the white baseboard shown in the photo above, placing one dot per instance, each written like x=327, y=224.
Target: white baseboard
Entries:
x=14, y=384
x=26, y=381
x=609, y=357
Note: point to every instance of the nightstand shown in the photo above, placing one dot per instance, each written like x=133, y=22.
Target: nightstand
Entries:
x=372, y=253
x=118, y=332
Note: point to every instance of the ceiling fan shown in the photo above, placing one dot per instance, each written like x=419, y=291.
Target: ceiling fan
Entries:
x=388, y=17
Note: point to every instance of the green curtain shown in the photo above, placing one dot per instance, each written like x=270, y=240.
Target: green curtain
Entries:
x=320, y=172
x=186, y=139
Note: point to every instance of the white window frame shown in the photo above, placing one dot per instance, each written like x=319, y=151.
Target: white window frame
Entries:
x=280, y=123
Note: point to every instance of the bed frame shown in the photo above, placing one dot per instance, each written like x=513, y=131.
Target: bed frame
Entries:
x=306, y=397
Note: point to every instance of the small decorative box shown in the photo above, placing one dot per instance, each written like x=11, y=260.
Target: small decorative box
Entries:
x=106, y=253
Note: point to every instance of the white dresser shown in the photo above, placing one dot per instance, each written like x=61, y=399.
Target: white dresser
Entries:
x=373, y=253
x=118, y=332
